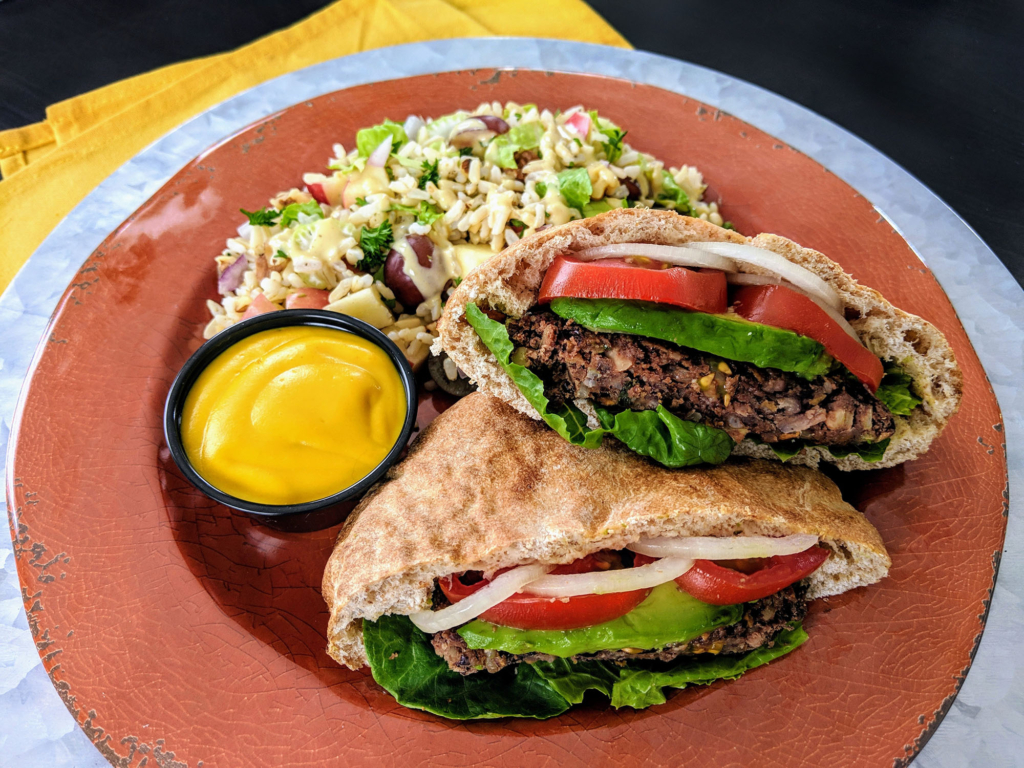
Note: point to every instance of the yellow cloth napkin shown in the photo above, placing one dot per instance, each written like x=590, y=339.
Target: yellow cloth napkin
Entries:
x=49, y=167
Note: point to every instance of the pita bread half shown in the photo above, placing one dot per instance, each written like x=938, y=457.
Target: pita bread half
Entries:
x=510, y=282
x=485, y=488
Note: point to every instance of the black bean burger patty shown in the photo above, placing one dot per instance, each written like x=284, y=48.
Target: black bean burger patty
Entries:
x=617, y=370
x=762, y=621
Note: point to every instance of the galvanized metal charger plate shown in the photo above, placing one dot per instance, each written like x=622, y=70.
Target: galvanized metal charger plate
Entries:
x=134, y=584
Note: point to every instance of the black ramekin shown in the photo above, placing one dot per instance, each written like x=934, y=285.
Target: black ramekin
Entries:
x=310, y=515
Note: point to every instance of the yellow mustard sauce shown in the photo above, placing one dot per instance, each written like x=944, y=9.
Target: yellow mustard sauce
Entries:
x=293, y=414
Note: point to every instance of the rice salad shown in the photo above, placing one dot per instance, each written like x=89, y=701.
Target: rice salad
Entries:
x=414, y=207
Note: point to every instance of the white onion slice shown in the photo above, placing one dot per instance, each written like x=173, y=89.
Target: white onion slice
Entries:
x=607, y=582
x=502, y=588
x=379, y=156
x=723, y=547
x=670, y=254
x=776, y=264
x=743, y=278
x=412, y=126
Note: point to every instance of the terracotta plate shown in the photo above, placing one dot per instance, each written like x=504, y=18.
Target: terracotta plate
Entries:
x=171, y=626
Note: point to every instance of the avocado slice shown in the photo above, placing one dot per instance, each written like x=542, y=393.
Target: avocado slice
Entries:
x=668, y=615
x=727, y=336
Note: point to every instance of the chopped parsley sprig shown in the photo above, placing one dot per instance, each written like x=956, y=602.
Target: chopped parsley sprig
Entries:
x=376, y=243
x=264, y=217
x=430, y=174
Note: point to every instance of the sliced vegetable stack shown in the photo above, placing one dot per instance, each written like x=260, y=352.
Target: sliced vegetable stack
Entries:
x=595, y=622
x=683, y=351
x=502, y=571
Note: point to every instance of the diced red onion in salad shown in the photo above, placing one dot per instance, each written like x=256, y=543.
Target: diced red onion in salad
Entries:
x=502, y=588
x=493, y=122
x=232, y=275
x=607, y=582
x=379, y=156
x=475, y=129
x=412, y=126
x=724, y=547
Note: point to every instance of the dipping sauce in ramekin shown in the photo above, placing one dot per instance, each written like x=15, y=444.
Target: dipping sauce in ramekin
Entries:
x=293, y=414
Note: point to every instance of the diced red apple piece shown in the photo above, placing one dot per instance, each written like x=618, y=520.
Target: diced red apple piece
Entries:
x=260, y=306
x=580, y=122
x=307, y=298
x=326, y=189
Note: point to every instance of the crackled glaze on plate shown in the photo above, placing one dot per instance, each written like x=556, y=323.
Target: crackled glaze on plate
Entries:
x=208, y=630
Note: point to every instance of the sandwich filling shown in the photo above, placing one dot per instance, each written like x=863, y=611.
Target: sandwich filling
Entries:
x=617, y=370
x=760, y=623
x=682, y=362
x=623, y=623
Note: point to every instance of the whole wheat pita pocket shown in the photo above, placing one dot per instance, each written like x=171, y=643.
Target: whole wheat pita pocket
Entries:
x=485, y=488
x=510, y=281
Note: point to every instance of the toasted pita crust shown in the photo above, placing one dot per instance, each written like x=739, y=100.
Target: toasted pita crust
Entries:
x=510, y=281
x=485, y=487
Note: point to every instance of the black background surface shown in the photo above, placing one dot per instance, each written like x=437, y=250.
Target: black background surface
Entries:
x=938, y=85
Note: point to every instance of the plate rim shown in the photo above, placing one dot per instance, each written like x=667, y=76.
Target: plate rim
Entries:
x=171, y=149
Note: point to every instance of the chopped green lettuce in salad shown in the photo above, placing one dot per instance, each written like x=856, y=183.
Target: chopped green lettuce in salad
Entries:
x=533, y=168
x=369, y=139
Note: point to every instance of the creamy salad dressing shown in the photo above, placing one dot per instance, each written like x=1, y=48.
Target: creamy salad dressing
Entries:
x=429, y=280
x=472, y=193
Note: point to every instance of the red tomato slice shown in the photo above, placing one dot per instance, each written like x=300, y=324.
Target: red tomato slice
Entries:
x=714, y=583
x=567, y=276
x=259, y=306
x=785, y=308
x=524, y=611
x=307, y=298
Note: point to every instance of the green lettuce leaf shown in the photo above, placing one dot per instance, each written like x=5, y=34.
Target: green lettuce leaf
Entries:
x=404, y=663
x=672, y=195
x=869, y=452
x=664, y=437
x=290, y=214
x=425, y=213
x=342, y=164
x=502, y=149
x=787, y=449
x=725, y=336
x=368, y=139
x=595, y=207
x=567, y=420
x=641, y=684
x=575, y=187
x=658, y=434
x=612, y=147
x=895, y=391
x=428, y=213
